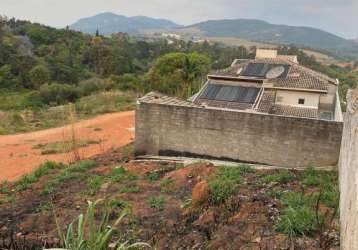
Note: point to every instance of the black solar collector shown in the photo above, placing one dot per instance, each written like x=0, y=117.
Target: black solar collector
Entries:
x=261, y=69
x=230, y=93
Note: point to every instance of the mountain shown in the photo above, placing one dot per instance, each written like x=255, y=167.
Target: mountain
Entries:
x=258, y=30
x=108, y=23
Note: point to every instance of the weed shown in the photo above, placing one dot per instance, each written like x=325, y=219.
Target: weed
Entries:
x=157, y=202
x=85, y=233
x=130, y=189
x=95, y=183
x=5, y=187
x=153, y=176
x=44, y=207
x=281, y=177
x=167, y=185
x=120, y=204
x=275, y=193
x=74, y=171
x=223, y=185
x=119, y=174
x=298, y=217
x=63, y=147
x=26, y=181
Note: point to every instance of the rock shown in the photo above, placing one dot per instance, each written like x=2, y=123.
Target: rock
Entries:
x=200, y=193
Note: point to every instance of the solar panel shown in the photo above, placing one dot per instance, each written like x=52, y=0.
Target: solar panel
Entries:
x=261, y=70
x=230, y=93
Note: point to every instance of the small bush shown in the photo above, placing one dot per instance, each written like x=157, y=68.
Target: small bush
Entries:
x=57, y=94
x=92, y=85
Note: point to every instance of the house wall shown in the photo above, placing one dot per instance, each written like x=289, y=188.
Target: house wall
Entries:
x=240, y=136
x=292, y=97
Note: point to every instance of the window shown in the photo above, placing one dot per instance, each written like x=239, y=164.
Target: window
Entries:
x=301, y=101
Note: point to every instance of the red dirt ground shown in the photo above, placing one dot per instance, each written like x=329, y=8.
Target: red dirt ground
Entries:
x=18, y=156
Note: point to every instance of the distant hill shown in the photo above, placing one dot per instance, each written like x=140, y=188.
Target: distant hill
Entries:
x=108, y=23
x=258, y=30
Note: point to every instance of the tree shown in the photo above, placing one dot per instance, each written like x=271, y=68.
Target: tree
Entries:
x=181, y=73
x=39, y=75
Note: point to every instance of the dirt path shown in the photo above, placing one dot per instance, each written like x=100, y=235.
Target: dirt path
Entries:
x=18, y=156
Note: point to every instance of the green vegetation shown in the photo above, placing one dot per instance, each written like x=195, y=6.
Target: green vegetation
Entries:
x=281, y=177
x=167, y=185
x=223, y=185
x=76, y=171
x=301, y=215
x=157, y=202
x=132, y=188
x=87, y=234
x=154, y=176
x=26, y=181
x=298, y=217
x=63, y=147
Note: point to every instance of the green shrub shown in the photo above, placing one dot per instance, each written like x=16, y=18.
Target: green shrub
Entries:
x=56, y=94
x=92, y=85
x=154, y=176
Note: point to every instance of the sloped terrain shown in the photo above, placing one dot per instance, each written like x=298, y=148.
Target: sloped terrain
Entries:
x=171, y=206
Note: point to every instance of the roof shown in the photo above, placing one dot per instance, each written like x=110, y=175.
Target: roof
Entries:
x=292, y=75
x=267, y=105
x=158, y=98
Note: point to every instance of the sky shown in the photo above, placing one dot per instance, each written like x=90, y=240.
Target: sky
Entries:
x=337, y=16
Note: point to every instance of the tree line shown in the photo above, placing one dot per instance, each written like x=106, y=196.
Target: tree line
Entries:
x=59, y=65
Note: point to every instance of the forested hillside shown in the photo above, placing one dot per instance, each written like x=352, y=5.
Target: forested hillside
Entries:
x=42, y=67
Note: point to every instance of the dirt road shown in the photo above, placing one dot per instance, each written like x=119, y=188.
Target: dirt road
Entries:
x=18, y=155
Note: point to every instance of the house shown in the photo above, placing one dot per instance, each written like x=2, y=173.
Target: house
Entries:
x=268, y=110
x=273, y=84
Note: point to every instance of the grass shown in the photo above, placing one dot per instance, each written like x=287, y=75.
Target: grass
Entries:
x=64, y=146
x=5, y=187
x=281, y=176
x=19, y=118
x=157, y=202
x=75, y=171
x=26, y=181
x=298, y=217
x=132, y=188
x=301, y=215
x=223, y=185
x=153, y=176
x=86, y=233
x=167, y=185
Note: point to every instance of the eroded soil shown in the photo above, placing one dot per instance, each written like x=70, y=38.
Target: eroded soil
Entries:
x=162, y=210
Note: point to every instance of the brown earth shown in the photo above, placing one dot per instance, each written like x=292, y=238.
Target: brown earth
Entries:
x=18, y=156
x=243, y=221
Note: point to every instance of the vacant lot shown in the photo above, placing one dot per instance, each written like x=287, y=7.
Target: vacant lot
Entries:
x=171, y=206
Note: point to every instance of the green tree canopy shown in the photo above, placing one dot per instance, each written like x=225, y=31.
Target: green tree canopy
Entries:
x=39, y=75
x=179, y=73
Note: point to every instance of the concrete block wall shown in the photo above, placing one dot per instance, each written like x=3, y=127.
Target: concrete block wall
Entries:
x=240, y=136
x=348, y=176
